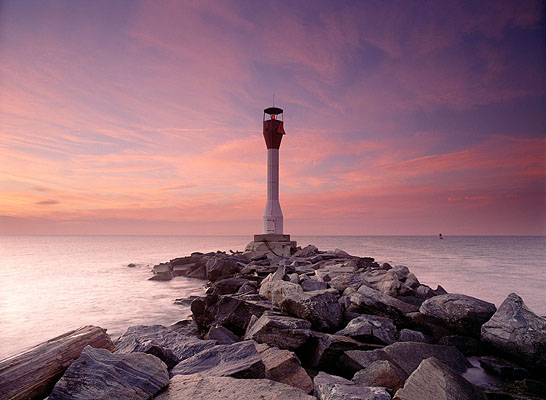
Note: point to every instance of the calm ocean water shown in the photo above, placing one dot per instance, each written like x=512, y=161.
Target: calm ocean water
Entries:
x=52, y=284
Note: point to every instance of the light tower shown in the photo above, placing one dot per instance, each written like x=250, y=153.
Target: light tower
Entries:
x=272, y=242
x=273, y=133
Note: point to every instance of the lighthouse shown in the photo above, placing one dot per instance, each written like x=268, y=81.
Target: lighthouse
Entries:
x=272, y=242
x=273, y=128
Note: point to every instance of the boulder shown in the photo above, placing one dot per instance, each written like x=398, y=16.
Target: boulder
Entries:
x=186, y=327
x=319, y=307
x=238, y=360
x=331, y=387
x=409, y=335
x=160, y=341
x=307, y=251
x=461, y=313
x=514, y=329
x=323, y=350
x=200, y=386
x=280, y=331
x=383, y=298
x=308, y=285
x=283, y=366
x=408, y=355
x=373, y=303
x=162, y=276
x=99, y=374
x=221, y=335
x=434, y=380
x=355, y=360
x=233, y=311
x=370, y=329
x=218, y=267
x=502, y=368
x=198, y=273
x=163, y=267
x=381, y=373
x=229, y=285
x=277, y=290
x=466, y=345
x=32, y=373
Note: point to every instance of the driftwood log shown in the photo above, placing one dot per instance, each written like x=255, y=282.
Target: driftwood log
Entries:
x=33, y=373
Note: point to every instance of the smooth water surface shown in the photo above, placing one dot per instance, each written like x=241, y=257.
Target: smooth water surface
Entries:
x=52, y=284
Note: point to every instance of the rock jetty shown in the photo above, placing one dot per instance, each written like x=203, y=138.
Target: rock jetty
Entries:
x=312, y=325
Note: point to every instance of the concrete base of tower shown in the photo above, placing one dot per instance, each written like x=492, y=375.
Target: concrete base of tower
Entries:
x=272, y=245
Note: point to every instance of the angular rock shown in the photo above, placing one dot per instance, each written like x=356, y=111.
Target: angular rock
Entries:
x=319, y=307
x=277, y=290
x=201, y=386
x=198, y=273
x=370, y=329
x=32, y=373
x=323, y=349
x=186, y=327
x=434, y=380
x=374, y=304
x=183, y=269
x=380, y=297
x=221, y=335
x=516, y=330
x=229, y=285
x=99, y=374
x=162, y=276
x=238, y=360
x=461, y=313
x=381, y=373
x=466, y=345
x=231, y=311
x=355, y=360
x=280, y=331
x=163, y=267
x=218, y=267
x=408, y=335
x=148, y=338
x=307, y=251
x=331, y=387
x=502, y=368
x=309, y=285
x=408, y=355
x=283, y=366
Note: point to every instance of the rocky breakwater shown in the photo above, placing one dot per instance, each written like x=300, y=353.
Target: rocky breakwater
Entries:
x=316, y=325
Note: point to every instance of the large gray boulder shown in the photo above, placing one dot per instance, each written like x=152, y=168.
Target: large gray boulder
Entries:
x=381, y=373
x=516, y=330
x=408, y=355
x=238, y=360
x=434, y=380
x=280, y=331
x=220, y=266
x=331, y=387
x=202, y=386
x=277, y=290
x=355, y=360
x=370, y=329
x=324, y=350
x=320, y=307
x=99, y=374
x=284, y=366
x=232, y=311
x=461, y=313
x=167, y=344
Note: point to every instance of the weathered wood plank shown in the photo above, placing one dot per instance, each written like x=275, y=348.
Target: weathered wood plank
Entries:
x=33, y=373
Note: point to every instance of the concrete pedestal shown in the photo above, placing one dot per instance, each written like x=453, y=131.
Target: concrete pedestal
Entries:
x=271, y=244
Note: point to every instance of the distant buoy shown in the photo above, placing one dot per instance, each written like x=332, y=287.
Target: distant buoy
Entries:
x=440, y=236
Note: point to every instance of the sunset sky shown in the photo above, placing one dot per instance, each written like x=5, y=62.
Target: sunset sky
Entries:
x=402, y=117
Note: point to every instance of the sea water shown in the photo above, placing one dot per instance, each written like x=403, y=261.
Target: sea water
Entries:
x=52, y=284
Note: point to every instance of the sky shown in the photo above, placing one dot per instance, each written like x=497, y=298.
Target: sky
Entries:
x=144, y=117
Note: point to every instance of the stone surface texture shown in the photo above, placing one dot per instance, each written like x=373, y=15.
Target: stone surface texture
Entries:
x=199, y=386
x=99, y=374
x=280, y=331
x=516, y=330
x=461, y=313
x=331, y=387
x=434, y=380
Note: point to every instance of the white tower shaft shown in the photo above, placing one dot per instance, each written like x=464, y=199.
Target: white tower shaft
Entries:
x=272, y=220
